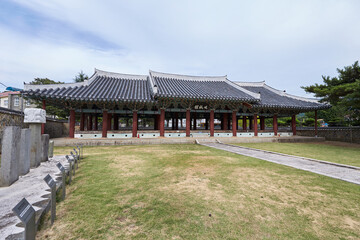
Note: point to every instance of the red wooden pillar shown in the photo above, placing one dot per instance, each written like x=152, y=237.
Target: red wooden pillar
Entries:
x=109, y=121
x=158, y=121
x=176, y=121
x=135, y=124
x=82, y=121
x=116, y=122
x=206, y=123
x=72, y=124
x=262, y=123
x=251, y=123
x=212, y=125
x=105, y=123
x=244, y=125
x=162, y=122
x=316, y=126
x=95, y=122
x=255, y=125
x=275, y=125
x=188, y=122
x=234, y=123
x=225, y=119
x=43, y=124
x=90, y=123
x=293, y=124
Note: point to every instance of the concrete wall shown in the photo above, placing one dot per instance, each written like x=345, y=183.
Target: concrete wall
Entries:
x=343, y=134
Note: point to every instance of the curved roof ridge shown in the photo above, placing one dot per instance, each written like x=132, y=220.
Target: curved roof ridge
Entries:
x=99, y=72
x=28, y=86
x=282, y=93
x=250, y=84
x=188, y=77
x=255, y=95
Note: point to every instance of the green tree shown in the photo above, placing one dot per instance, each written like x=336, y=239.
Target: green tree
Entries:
x=50, y=109
x=81, y=77
x=342, y=91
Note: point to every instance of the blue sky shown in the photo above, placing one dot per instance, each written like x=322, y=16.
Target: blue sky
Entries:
x=286, y=43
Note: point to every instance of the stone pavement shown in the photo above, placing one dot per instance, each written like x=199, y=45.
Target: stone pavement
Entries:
x=339, y=171
x=33, y=188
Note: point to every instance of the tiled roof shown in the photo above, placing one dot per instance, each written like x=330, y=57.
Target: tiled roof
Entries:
x=116, y=87
x=102, y=86
x=7, y=93
x=213, y=88
x=271, y=97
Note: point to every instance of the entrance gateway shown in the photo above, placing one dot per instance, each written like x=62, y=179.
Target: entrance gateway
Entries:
x=114, y=105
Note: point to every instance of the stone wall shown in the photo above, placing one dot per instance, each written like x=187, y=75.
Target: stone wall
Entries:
x=343, y=134
x=55, y=128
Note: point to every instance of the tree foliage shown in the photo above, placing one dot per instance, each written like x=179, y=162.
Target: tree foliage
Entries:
x=50, y=110
x=343, y=92
x=81, y=77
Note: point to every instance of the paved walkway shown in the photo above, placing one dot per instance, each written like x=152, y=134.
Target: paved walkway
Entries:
x=339, y=171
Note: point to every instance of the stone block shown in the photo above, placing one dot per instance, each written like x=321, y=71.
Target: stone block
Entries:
x=9, y=169
x=34, y=115
x=44, y=147
x=25, y=143
x=35, y=147
x=51, y=148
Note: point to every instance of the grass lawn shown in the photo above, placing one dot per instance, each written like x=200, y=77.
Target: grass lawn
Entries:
x=195, y=192
x=344, y=153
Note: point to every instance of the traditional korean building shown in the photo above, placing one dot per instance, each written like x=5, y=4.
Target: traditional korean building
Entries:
x=114, y=105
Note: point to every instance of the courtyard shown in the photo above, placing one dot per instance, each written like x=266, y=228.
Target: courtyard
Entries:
x=195, y=192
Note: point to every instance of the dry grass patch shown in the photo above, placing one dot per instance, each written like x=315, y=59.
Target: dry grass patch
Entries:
x=194, y=192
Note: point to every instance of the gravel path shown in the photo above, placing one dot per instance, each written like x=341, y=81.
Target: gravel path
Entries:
x=339, y=171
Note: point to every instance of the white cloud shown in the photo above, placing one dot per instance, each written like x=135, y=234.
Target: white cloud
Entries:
x=286, y=43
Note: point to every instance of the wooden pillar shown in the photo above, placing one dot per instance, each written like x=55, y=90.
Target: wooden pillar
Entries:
x=206, y=123
x=188, y=122
x=255, y=125
x=105, y=123
x=234, y=123
x=173, y=123
x=316, y=126
x=212, y=124
x=275, y=125
x=135, y=124
x=237, y=123
x=251, y=123
x=176, y=121
x=244, y=125
x=162, y=122
x=225, y=118
x=293, y=124
x=90, y=123
x=262, y=123
x=82, y=121
x=95, y=122
x=116, y=121
x=72, y=124
x=43, y=124
x=194, y=119
x=156, y=122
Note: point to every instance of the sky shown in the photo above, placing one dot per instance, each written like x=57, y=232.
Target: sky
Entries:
x=287, y=44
